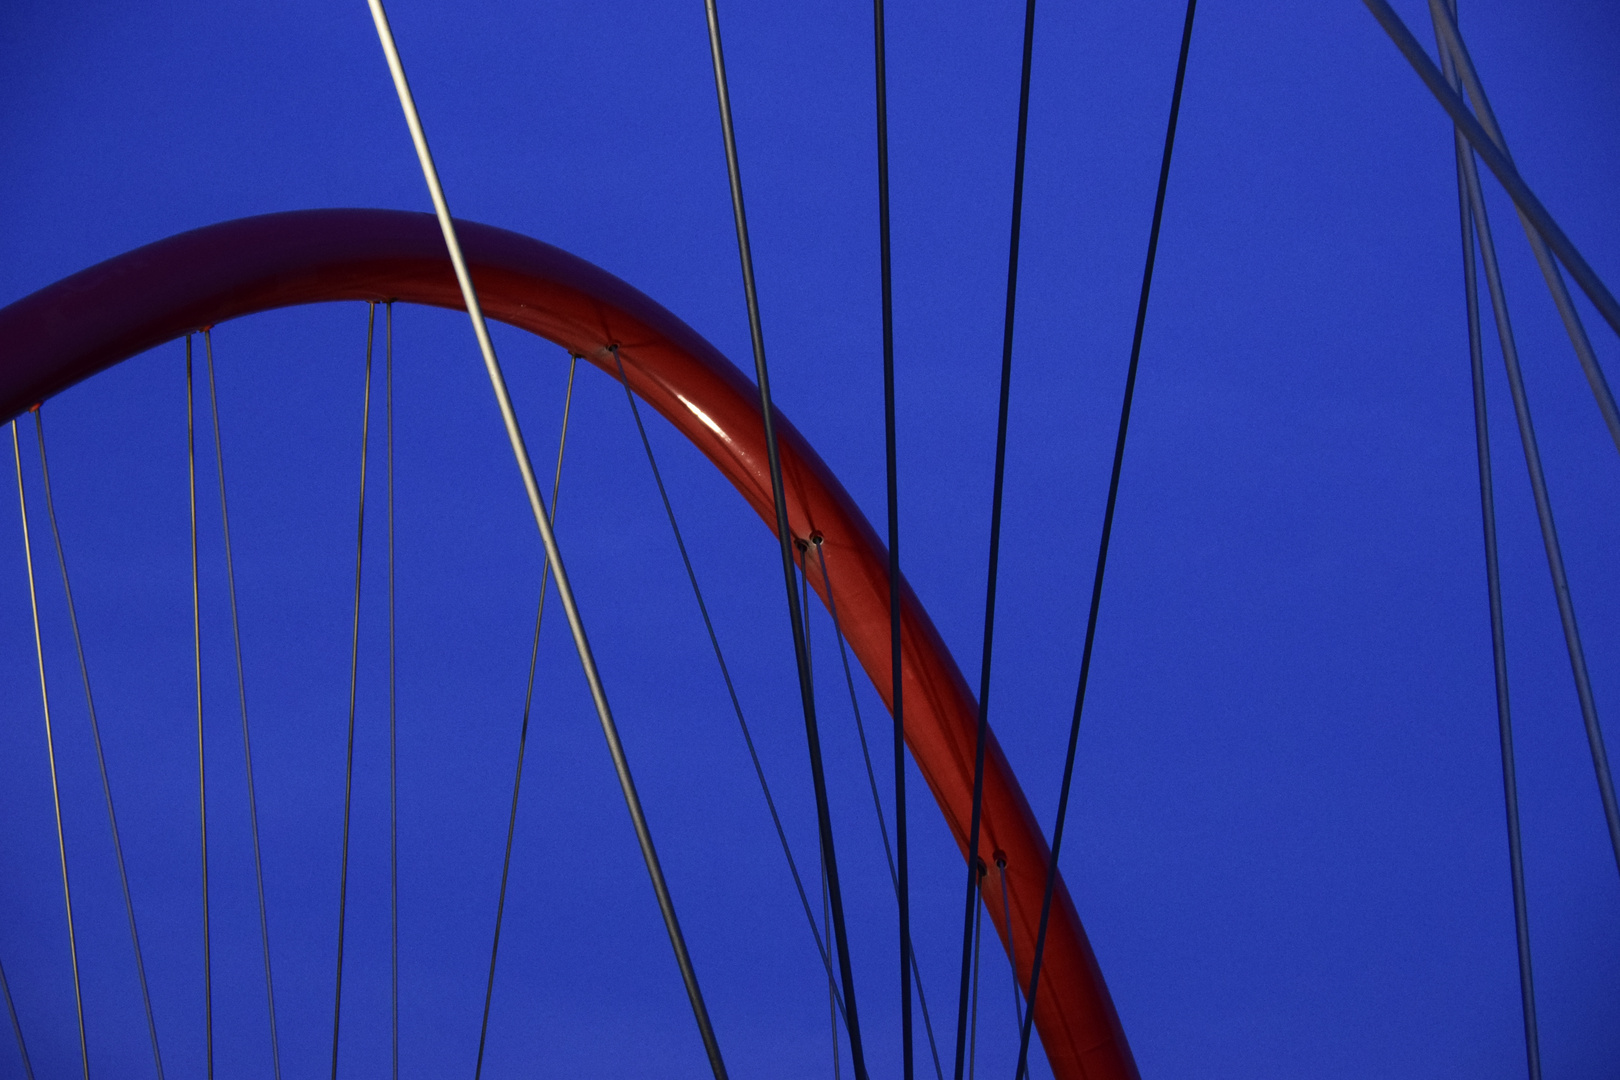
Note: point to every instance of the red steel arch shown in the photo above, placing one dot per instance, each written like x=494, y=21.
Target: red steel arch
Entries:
x=110, y=312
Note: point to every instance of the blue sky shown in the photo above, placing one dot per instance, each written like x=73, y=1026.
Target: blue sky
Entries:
x=1287, y=842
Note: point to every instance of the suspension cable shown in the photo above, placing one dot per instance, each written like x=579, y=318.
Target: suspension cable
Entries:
x=1544, y=513
x=784, y=536
x=523, y=732
x=56, y=793
x=1493, y=584
x=16, y=1025
x=1457, y=64
x=973, y=1009
x=95, y=732
x=981, y=728
x=393, y=728
x=725, y=674
x=826, y=912
x=202, y=760
x=1012, y=942
x=1498, y=162
x=871, y=778
x=241, y=689
x=1102, y=544
x=565, y=593
x=354, y=674
x=892, y=474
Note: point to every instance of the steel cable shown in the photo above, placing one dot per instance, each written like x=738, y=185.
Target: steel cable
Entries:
x=241, y=687
x=16, y=1025
x=202, y=759
x=1102, y=544
x=50, y=749
x=393, y=728
x=523, y=733
x=981, y=728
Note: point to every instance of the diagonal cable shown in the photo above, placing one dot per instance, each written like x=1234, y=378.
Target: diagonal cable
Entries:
x=56, y=794
x=871, y=779
x=1544, y=512
x=523, y=733
x=1012, y=943
x=202, y=759
x=725, y=674
x=784, y=536
x=1493, y=583
x=1102, y=544
x=95, y=732
x=241, y=690
x=354, y=673
x=981, y=728
x=892, y=474
x=16, y=1025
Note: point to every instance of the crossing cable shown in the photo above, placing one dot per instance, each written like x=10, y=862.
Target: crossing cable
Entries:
x=565, y=593
x=16, y=1025
x=241, y=689
x=756, y=335
x=95, y=732
x=1498, y=162
x=1493, y=583
x=826, y=917
x=973, y=1021
x=354, y=678
x=725, y=674
x=871, y=778
x=1544, y=513
x=981, y=728
x=393, y=727
x=523, y=732
x=202, y=760
x=1012, y=943
x=892, y=474
x=1455, y=62
x=1102, y=543
x=56, y=793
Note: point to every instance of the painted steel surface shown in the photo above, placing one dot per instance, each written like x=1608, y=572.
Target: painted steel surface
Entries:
x=86, y=323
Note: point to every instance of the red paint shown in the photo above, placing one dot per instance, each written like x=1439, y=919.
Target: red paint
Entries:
x=97, y=318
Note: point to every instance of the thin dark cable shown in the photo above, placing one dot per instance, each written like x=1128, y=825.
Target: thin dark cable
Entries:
x=832, y=985
x=202, y=760
x=50, y=750
x=354, y=673
x=1012, y=942
x=871, y=778
x=95, y=732
x=785, y=538
x=16, y=1025
x=725, y=671
x=1493, y=583
x=523, y=733
x=981, y=728
x=241, y=688
x=973, y=1010
x=1544, y=511
x=892, y=473
x=1102, y=544
x=393, y=731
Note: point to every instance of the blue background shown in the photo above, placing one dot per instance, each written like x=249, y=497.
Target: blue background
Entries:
x=1287, y=837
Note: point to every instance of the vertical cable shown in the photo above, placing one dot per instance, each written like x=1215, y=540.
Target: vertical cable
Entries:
x=393, y=740
x=241, y=689
x=784, y=536
x=1493, y=586
x=565, y=593
x=16, y=1025
x=892, y=474
x=973, y=1008
x=826, y=912
x=354, y=672
x=56, y=794
x=725, y=671
x=95, y=732
x=523, y=734
x=202, y=761
x=871, y=778
x=1102, y=543
x=981, y=728
x=1544, y=513
x=1012, y=941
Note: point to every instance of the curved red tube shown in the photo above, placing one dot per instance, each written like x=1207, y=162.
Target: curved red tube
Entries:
x=101, y=316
